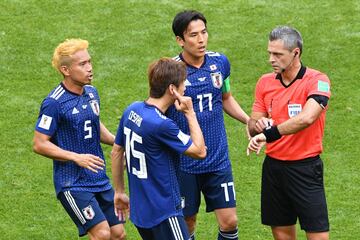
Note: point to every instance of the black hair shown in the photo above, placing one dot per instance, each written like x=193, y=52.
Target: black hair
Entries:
x=183, y=19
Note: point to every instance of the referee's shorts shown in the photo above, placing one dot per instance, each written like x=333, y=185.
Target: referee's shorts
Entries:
x=291, y=190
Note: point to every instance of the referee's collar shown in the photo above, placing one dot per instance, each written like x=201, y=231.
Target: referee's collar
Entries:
x=299, y=75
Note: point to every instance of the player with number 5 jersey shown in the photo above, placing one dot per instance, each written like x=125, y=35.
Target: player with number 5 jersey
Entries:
x=150, y=140
x=69, y=131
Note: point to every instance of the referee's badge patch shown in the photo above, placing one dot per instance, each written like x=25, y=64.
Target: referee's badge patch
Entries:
x=294, y=109
x=88, y=212
x=217, y=79
x=95, y=107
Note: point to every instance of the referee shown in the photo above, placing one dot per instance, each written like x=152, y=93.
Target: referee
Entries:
x=289, y=117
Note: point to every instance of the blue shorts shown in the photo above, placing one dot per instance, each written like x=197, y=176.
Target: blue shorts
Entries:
x=87, y=209
x=217, y=187
x=173, y=228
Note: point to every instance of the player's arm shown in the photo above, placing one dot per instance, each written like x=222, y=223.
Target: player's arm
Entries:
x=106, y=136
x=197, y=149
x=233, y=109
x=43, y=146
x=121, y=200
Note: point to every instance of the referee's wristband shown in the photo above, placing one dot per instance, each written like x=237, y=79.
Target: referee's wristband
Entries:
x=272, y=134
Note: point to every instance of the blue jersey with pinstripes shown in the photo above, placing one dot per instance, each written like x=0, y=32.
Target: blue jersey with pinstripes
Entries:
x=72, y=121
x=204, y=86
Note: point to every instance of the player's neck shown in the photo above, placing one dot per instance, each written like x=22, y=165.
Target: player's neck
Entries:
x=193, y=60
x=162, y=103
x=72, y=87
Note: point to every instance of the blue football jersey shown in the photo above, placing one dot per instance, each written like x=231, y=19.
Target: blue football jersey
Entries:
x=204, y=86
x=151, y=140
x=72, y=122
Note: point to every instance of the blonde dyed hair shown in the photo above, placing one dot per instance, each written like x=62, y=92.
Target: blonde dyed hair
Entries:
x=64, y=51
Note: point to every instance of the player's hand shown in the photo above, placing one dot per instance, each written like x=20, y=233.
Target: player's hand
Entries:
x=121, y=205
x=90, y=162
x=263, y=123
x=256, y=143
x=183, y=103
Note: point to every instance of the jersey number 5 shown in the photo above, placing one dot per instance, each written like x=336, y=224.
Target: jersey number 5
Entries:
x=87, y=129
x=131, y=138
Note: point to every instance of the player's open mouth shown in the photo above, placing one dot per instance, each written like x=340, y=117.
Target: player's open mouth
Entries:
x=202, y=48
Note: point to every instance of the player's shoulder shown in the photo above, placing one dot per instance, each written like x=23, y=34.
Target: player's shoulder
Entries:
x=177, y=58
x=56, y=93
x=90, y=89
x=55, y=97
x=216, y=58
x=216, y=55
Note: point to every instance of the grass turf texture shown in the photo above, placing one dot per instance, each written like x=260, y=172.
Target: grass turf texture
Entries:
x=124, y=37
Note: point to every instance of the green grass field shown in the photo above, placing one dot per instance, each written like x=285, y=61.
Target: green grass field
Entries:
x=124, y=37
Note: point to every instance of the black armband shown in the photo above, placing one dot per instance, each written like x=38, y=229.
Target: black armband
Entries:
x=322, y=100
x=272, y=134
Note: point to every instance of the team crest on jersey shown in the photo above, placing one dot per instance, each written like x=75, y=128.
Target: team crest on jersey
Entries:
x=95, y=107
x=217, y=79
x=88, y=212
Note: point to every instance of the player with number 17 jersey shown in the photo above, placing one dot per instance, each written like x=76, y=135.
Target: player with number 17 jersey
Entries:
x=205, y=85
x=150, y=139
x=73, y=123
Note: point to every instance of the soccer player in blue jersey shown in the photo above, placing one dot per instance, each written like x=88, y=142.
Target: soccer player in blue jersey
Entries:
x=150, y=140
x=69, y=131
x=208, y=84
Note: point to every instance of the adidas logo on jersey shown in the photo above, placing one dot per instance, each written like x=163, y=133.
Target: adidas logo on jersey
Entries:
x=202, y=79
x=75, y=111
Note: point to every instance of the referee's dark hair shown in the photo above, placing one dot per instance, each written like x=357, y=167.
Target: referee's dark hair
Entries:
x=183, y=19
x=164, y=72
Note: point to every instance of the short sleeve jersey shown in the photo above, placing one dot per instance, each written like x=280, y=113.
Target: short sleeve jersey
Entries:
x=72, y=122
x=282, y=102
x=205, y=86
x=150, y=140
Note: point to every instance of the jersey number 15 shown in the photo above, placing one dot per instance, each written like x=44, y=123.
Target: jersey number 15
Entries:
x=131, y=138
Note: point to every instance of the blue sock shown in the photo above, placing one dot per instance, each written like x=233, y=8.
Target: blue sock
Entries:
x=233, y=235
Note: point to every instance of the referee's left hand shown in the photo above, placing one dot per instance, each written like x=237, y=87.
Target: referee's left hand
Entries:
x=256, y=143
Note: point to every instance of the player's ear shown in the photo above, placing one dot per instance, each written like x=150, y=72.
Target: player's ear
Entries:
x=171, y=89
x=64, y=70
x=180, y=41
